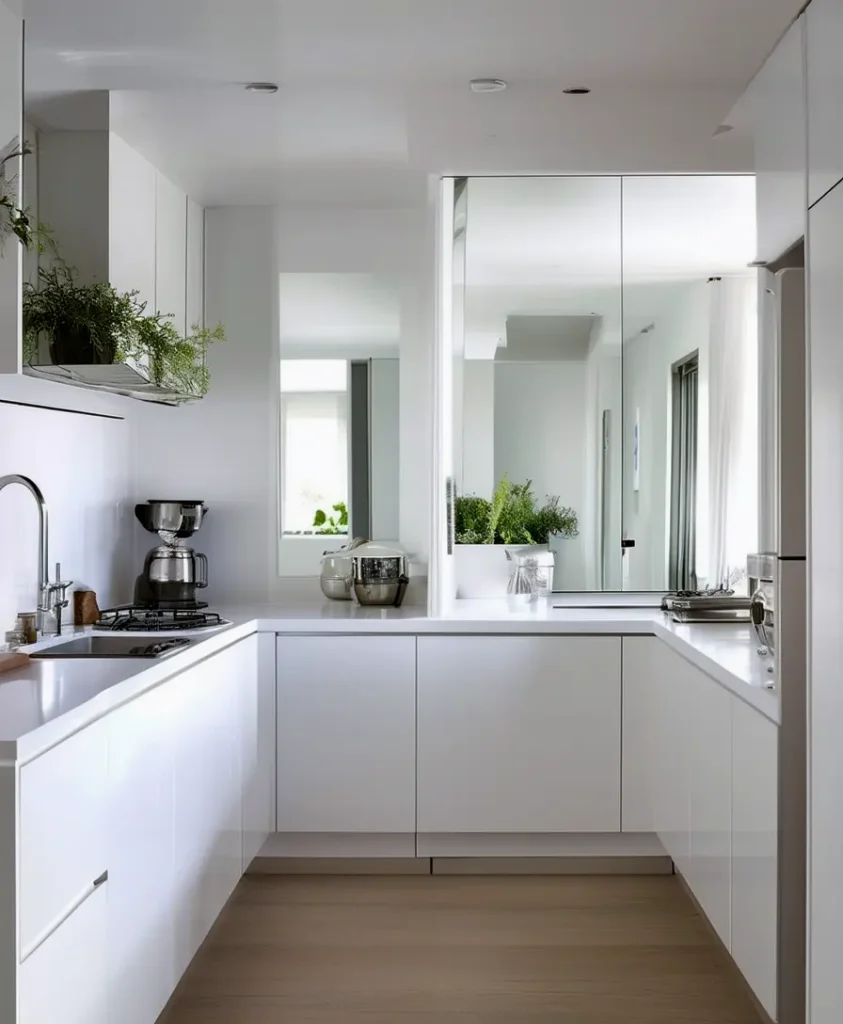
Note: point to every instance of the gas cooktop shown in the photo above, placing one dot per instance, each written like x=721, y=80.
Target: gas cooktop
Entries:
x=143, y=619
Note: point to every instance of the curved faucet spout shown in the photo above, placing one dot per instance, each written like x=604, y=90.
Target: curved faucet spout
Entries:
x=43, y=532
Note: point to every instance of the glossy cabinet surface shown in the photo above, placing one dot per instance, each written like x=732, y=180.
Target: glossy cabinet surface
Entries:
x=637, y=768
x=346, y=734
x=171, y=251
x=825, y=96
x=141, y=895
x=825, y=902
x=63, y=981
x=754, y=851
x=256, y=661
x=63, y=847
x=131, y=221
x=11, y=127
x=519, y=734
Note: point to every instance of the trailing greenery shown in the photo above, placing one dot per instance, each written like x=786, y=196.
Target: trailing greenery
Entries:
x=118, y=329
x=329, y=525
x=14, y=220
x=511, y=517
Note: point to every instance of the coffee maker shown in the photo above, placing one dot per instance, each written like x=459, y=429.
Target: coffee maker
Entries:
x=172, y=572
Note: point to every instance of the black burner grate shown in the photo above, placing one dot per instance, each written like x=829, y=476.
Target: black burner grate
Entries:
x=140, y=619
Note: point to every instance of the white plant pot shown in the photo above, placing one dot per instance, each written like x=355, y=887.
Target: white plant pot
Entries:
x=482, y=570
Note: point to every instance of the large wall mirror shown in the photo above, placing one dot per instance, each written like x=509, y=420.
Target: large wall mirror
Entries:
x=605, y=378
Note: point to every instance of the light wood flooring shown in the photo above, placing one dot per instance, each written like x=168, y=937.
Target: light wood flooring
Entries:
x=445, y=950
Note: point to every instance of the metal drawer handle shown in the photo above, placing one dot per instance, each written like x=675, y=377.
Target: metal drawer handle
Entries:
x=102, y=878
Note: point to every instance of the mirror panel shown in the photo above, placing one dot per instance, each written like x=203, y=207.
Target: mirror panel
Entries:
x=690, y=371
x=538, y=372
x=11, y=187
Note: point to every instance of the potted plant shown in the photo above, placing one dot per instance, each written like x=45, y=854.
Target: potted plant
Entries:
x=484, y=528
x=87, y=324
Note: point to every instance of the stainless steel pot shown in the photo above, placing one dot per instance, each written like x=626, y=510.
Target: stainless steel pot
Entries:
x=179, y=518
x=381, y=593
x=337, y=588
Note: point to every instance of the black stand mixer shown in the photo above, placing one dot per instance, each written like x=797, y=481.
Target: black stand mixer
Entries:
x=172, y=572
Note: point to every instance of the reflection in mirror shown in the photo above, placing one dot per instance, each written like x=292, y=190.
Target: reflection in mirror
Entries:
x=690, y=370
x=538, y=369
x=339, y=412
x=11, y=197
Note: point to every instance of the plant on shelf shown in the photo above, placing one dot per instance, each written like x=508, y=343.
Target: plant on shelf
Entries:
x=329, y=525
x=14, y=220
x=86, y=324
x=512, y=517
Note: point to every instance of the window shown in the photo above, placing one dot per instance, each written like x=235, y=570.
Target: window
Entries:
x=314, y=446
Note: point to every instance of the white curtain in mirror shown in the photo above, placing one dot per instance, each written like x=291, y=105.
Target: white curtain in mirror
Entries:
x=730, y=529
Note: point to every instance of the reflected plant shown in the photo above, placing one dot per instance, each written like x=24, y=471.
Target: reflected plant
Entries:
x=329, y=525
x=511, y=517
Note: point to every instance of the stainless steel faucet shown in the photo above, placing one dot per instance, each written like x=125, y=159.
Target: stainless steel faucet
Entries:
x=46, y=591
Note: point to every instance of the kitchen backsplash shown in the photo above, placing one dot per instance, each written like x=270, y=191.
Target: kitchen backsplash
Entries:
x=83, y=465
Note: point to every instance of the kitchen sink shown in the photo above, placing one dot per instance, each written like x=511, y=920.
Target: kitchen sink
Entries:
x=114, y=647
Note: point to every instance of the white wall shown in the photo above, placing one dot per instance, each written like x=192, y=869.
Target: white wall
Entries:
x=82, y=464
x=384, y=466
x=224, y=449
x=478, y=427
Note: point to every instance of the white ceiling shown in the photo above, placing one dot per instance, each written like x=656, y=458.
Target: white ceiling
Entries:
x=374, y=93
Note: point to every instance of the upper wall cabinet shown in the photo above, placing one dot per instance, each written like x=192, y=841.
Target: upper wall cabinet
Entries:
x=825, y=96
x=11, y=106
x=773, y=110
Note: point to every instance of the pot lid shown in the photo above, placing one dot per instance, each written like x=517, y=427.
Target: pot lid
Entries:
x=371, y=549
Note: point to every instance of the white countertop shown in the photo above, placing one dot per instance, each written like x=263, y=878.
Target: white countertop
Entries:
x=49, y=699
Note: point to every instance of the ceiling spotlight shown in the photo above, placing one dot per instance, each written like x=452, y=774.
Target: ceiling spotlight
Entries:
x=265, y=87
x=577, y=90
x=487, y=85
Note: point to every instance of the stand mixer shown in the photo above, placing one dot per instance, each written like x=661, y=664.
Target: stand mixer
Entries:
x=172, y=572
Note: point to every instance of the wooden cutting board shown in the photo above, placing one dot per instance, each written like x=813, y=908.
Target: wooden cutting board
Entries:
x=9, y=662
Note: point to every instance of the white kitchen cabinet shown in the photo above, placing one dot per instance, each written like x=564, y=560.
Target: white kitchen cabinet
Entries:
x=141, y=955
x=208, y=798
x=63, y=846
x=773, y=111
x=63, y=981
x=639, y=703
x=346, y=734
x=519, y=734
x=671, y=761
x=824, y=32
x=131, y=221
x=825, y=902
x=256, y=690
x=710, y=777
x=195, y=265
x=754, y=851
x=171, y=251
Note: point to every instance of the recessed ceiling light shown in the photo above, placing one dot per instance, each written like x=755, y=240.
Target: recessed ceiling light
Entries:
x=577, y=90
x=267, y=87
x=487, y=85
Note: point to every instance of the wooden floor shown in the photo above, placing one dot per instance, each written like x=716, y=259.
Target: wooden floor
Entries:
x=441, y=950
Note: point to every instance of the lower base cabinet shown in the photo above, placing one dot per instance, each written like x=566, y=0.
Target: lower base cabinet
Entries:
x=706, y=772
x=519, y=734
x=63, y=980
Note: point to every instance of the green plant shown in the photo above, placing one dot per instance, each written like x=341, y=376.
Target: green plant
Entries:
x=175, y=363
x=328, y=525
x=13, y=219
x=471, y=519
x=61, y=307
x=552, y=519
x=511, y=517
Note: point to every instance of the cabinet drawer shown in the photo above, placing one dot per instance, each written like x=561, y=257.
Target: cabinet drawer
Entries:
x=62, y=834
x=65, y=979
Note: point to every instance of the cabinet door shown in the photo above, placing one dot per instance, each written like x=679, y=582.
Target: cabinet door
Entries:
x=826, y=602
x=256, y=690
x=670, y=764
x=825, y=96
x=754, y=858
x=141, y=868
x=640, y=661
x=195, y=299
x=519, y=734
x=63, y=843
x=131, y=221
x=208, y=801
x=171, y=251
x=64, y=980
x=777, y=103
x=710, y=772
x=346, y=734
